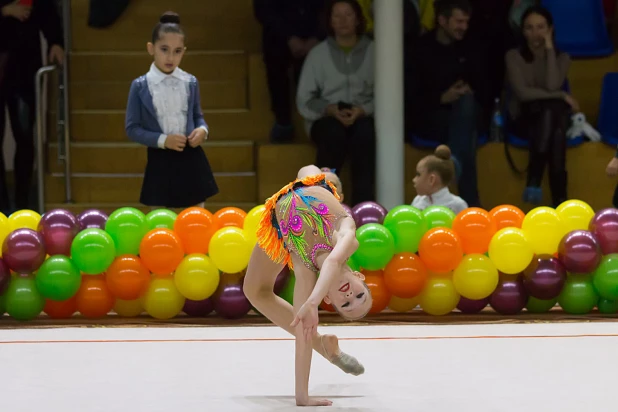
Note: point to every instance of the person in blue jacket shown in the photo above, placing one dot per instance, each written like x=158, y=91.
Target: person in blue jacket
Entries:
x=164, y=114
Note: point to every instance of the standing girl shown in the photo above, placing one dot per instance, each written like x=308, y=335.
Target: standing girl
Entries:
x=164, y=113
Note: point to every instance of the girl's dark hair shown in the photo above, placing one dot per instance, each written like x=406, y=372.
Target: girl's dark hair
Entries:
x=360, y=17
x=524, y=50
x=169, y=22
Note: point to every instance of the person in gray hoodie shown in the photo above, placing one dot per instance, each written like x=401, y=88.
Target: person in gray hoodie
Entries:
x=335, y=97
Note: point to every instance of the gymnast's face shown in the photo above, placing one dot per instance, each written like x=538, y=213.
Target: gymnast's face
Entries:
x=350, y=296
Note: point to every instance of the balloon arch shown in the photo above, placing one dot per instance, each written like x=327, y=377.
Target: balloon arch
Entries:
x=164, y=264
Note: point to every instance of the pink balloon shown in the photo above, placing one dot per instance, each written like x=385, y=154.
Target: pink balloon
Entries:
x=23, y=251
x=58, y=228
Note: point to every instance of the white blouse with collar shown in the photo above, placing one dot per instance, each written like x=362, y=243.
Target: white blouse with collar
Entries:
x=442, y=197
x=170, y=97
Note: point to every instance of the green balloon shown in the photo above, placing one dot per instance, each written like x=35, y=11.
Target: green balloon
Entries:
x=578, y=296
x=605, y=277
x=23, y=300
x=2, y=304
x=376, y=246
x=438, y=216
x=287, y=293
x=609, y=307
x=353, y=264
x=58, y=278
x=535, y=305
x=127, y=226
x=407, y=225
x=93, y=251
x=161, y=219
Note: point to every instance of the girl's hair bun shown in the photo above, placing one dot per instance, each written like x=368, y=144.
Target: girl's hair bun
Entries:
x=170, y=17
x=443, y=152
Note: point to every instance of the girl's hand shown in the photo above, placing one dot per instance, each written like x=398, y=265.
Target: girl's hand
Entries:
x=612, y=167
x=17, y=11
x=176, y=142
x=313, y=402
x=307, y=316
x=197, y=137
x=572, y=102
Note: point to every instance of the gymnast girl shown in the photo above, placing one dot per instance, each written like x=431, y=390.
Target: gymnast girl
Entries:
x=305, y=226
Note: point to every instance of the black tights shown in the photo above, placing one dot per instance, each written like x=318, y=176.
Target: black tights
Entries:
x=546, y=123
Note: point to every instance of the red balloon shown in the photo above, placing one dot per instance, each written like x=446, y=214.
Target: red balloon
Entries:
x=23, y=251
x=58, y=228
x=60, y=309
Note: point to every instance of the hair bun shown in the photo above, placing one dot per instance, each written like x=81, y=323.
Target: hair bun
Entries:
x=170, y=17
x=443, y=152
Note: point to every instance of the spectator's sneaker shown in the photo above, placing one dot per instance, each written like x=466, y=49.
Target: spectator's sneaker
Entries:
x=282, y=134
x=533, y=195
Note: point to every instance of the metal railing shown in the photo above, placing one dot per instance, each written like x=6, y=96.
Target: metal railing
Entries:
x=63, y=118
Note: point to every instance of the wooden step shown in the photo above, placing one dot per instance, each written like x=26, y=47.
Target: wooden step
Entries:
x=214, y=25
x=125, y=189
x=109, y=125
x=119, y=67
x=113, y=95
x=224, y=157
x=108, y=208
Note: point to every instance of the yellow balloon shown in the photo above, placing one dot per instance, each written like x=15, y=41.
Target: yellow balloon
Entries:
x=128, y=308
x=251, y=223
x=476, y=277
x=510, y=250
x=403, y=305
x=439, y=297
x=162, y=300
x=575, y=214
x=544, y=230
x=24, y=219
x=196, y=277
x=4, y=229
x=230, y=249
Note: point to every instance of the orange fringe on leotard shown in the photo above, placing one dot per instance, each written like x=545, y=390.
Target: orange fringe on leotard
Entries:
x=268, y=235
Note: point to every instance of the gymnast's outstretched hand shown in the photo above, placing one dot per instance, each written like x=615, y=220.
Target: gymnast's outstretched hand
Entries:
x=307, y=316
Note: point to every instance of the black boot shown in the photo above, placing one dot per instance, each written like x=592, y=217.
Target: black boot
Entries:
x=558, y=186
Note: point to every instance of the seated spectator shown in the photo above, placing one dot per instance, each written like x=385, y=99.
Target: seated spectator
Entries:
x=446, y=85
x=540, y=109
x=433, y=175
x=335, y=96
x=291, y=28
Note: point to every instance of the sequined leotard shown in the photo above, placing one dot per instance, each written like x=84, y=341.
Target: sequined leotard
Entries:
x=301, y=219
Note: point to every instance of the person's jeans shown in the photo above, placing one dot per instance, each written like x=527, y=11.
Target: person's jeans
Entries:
x=457, y=128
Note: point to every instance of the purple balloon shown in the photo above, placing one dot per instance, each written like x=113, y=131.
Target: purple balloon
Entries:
x=580, y=252
x=544, y=277
x=232, y=302
x=604, y=225
x=198, y=308
x=23, y=250
x=510, y=296
x=348, y=209
x=368, y=212
x=5, y=276
x=282, y=279
x=58, y=228
x=470, y=306
x=92, y=219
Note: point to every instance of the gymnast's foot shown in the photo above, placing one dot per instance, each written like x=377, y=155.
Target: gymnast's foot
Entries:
x=348, y=364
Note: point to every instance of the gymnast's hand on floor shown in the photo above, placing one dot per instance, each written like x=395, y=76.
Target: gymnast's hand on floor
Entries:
x=307, y=316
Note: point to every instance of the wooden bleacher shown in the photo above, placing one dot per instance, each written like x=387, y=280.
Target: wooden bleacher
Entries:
x=223, y=41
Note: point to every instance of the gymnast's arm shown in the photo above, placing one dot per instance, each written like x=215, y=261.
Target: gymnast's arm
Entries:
x=346, y=244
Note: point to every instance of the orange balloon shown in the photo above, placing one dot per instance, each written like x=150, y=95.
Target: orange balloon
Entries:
x=60, y=309
x=405, y=275
x=94, y=299
x=440, y=249
x=229, y=216
x=161, y=251
x=475, y=229
x=127, y=277
x=327, y=307
x=195, y=226
x=507, y=216
x=379, y=292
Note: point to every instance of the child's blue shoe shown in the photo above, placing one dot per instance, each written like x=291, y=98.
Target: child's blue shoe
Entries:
x=533, y=195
